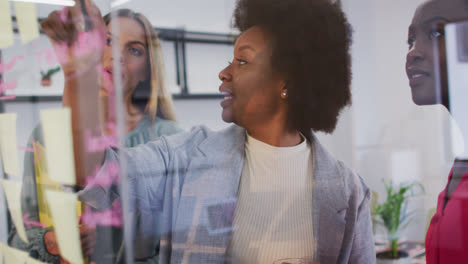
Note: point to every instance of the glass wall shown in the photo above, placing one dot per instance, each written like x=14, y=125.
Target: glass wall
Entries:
x=147, y=132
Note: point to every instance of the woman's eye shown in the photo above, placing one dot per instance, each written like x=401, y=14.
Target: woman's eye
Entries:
x=410, y=43
x=135, y=51
x=241, y=62
x=109, y=41
x=434, y=34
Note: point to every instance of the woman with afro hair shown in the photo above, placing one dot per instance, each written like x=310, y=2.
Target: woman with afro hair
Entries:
x=263, y=190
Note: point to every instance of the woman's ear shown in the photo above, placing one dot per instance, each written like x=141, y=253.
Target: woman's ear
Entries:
x=283, y=84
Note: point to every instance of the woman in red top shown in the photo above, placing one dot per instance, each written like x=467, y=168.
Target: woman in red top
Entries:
x=447, y=236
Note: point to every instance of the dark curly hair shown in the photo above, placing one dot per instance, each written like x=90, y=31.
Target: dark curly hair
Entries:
x=310, y=42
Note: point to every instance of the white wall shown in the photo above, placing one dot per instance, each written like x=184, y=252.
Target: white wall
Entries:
x=199, y=112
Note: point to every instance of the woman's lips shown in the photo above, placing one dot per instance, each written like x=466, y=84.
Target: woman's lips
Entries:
x=417, y=79
x=227, y=98
x=108, y=73
x=416, y=76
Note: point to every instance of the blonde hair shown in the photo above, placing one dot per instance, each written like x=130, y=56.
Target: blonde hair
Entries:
x=160, y=98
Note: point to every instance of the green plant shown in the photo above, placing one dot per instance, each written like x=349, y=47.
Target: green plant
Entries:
x=49, y=73
x=393, y=212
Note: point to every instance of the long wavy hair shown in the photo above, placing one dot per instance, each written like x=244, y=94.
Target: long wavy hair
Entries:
x=152, y=95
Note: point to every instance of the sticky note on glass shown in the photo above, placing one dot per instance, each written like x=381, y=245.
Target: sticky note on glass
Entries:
x=13, y=255
x=12, y=192
x=8, y=148
x=56, y=129
x=26, y=17
x=63, y=209
x=6, y=27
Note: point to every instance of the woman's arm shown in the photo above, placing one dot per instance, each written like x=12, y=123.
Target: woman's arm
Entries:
x=81, y=97
x=79, y=65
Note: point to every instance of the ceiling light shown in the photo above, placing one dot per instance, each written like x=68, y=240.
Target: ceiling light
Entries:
x=49, y=2
x=118, y=2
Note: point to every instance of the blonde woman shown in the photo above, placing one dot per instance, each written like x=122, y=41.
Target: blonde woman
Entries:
x=148, y=110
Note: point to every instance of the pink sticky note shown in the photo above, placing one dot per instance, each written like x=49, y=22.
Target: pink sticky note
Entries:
x=110, y=175
x=88, y=43
x=8, y=86
x=28, y=223
x=49, y=56
x=9, y=97
x=109, y=217
x=8, y=66
x=26, y=149
x=63, y=14
x=99, y=143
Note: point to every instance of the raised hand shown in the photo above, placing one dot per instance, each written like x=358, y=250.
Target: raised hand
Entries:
x=77, y=50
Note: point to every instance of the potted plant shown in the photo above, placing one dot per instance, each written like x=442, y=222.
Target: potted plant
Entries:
x=394, y=217
x=45, y=76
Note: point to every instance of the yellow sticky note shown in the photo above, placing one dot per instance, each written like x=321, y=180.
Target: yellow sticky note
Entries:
x=8, y=148
x=63, y=208
x=56, y=128
x=12, y=192
x=13, y=255
x=6, y=27
x=1, y=253
x=26, y=18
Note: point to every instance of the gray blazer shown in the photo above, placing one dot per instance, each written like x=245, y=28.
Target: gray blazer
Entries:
x=185, y=188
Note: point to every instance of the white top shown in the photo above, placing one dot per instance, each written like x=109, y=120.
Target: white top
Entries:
x=273, y=217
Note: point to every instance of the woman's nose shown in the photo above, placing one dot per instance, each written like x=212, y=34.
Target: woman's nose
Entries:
x=121, y=56
x=121, y=59
x=415, y=53
x=225, y=74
